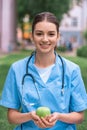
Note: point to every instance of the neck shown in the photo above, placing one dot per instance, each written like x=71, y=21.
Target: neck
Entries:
x=44, y=60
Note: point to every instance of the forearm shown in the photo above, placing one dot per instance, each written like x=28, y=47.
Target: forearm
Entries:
x=72, y=117
x=17, y=117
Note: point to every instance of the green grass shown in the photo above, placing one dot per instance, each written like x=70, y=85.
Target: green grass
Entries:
x=5, y=63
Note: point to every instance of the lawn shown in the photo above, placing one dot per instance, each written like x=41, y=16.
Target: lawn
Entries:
x=5, y=63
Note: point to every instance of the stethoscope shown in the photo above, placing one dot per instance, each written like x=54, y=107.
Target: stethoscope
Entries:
x=27, y=74
x=34, y=81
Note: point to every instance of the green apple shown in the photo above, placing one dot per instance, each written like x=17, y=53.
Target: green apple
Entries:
x=43, y=111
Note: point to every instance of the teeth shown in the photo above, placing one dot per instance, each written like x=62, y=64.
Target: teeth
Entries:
x=44, y=44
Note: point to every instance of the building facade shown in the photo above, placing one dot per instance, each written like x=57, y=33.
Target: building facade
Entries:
x=7, y=25
x=74, y=23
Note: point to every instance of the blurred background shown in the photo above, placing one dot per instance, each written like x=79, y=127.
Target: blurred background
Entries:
x=16, y=19
x=15, y=37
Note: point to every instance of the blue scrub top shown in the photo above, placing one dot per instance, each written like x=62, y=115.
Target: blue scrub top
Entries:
x=16, y=96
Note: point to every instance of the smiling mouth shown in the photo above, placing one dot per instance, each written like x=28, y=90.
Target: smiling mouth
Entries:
x=44, y=45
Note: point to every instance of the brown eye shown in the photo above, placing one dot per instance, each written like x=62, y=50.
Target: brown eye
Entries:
x=38, y=34
x=51, y=34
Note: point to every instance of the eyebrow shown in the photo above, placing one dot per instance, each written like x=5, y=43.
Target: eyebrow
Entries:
x=38, y=31
x=42, y=31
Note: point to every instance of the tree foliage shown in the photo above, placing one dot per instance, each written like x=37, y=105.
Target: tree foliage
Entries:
x=32, y=7
x=85, y=35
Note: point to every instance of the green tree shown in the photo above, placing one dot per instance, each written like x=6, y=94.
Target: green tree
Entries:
x=32, y=7
x=85, y=35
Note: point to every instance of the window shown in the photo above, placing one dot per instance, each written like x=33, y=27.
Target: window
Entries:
x=74, y=22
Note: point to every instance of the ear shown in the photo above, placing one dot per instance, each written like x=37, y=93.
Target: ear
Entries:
x=58, y=36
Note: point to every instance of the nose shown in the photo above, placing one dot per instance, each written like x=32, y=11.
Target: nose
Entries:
x=45, y=38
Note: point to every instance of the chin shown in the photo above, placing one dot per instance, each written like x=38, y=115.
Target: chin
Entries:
x=44, y=51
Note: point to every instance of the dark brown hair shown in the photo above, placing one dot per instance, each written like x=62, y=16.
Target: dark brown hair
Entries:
x=50, y=17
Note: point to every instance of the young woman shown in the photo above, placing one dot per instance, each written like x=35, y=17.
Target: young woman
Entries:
x=44, y=79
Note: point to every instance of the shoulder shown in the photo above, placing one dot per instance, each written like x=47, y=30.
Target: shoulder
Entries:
x=20, y=64
x=70, y=66
x=69, y=63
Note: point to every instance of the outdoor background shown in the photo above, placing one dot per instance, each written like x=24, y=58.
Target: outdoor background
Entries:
x=15, y=37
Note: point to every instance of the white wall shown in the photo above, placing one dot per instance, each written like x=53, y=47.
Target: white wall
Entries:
x=0, y=21
x=8, y=38
x=84, y=14
x=80, y=13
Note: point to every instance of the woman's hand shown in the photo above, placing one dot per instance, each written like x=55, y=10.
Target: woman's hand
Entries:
x=16, y=117
x=53, y=117
x=40, y=122
x=49, y=121
x=45, y=122
x=34, y=117
x=72, y=118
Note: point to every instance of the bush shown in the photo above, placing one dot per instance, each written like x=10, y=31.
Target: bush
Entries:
x=61, y=48
x=85, y=35
x=82, y=52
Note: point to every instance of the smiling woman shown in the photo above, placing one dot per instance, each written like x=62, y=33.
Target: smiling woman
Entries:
x=44, y=79
x=45, y=36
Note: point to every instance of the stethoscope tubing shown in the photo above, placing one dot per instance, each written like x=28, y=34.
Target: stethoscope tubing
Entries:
x=28, y=74
x=62, y=89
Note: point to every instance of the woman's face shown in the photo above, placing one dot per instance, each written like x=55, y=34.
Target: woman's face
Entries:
x=45, y=36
